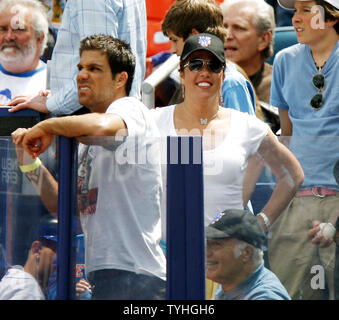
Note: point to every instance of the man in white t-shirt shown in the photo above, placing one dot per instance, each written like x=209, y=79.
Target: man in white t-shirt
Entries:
x=23, y=38
x=119, y=174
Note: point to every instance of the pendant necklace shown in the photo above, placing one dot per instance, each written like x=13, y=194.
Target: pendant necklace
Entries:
x=203, y=121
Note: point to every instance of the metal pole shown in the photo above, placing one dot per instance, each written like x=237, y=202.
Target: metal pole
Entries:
x=149, y=84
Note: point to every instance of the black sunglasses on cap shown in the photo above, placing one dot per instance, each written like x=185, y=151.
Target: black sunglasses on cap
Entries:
x=318, y=81
x=195, y=65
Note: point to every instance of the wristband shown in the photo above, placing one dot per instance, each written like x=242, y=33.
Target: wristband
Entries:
x=31, y=167
x=266, y=220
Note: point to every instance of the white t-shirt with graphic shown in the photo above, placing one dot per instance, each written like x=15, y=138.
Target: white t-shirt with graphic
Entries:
x=26, y=83
x=120, y=190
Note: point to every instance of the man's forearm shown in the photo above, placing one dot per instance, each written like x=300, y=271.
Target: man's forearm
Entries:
x=93, y=124
x=46, y=186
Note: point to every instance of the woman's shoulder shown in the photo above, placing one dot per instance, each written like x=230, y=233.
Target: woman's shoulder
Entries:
x=245, y=120
x=247, y=128
x=163, y=116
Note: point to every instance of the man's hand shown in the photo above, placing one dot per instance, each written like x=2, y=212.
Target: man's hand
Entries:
x=37, y=140
x=317, y=238
x=81, y=287
x=17, y=138
x=37, y=103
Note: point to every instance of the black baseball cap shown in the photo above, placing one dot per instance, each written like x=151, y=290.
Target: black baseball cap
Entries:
x=204, y=41
x=238, y=224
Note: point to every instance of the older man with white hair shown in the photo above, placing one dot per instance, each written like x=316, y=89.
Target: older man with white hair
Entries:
x=250, y=25
x=234, y=259
x=23, y=38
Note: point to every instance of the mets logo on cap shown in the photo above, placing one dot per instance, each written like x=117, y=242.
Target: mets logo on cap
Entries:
x=204, y=41
x=217, y=217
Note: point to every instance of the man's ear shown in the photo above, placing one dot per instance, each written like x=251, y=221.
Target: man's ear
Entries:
x=247, y=253
x=40, y=39
x=264, y=41
x=194, y=32
x=121, y=79
x=36, y=246
x=331, y=23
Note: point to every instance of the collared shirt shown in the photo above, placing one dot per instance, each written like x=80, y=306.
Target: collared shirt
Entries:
x=262, y=284
x=123, y=19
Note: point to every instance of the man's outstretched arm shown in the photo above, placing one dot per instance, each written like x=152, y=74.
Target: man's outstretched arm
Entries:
x=39, y=138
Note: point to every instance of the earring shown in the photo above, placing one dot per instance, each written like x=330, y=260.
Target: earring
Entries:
x=183, y=91
x=221, y=100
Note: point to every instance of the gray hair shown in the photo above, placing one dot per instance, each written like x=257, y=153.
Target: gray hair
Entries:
x=257, y=256
x=39, y=18
x=264, y=20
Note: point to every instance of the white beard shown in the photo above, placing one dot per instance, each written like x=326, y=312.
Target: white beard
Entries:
x=23, y=55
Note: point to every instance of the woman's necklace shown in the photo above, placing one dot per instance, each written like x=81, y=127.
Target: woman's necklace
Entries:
x=203, y=121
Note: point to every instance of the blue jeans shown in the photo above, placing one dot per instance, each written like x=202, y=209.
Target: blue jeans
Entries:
x=114, y=284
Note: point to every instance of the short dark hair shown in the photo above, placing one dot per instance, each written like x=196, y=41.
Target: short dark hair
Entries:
x=118, y=52
x=203, y=15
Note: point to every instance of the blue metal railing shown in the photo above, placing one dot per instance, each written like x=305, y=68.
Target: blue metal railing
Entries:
x=66, y=210
x=185, y=220
x=185, y=243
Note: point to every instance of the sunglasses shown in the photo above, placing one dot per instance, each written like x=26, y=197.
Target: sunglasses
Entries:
x=195, y=65
x=318, y=81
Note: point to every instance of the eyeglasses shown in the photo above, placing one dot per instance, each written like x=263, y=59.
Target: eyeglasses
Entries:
x=318, y=81
x=195, y=65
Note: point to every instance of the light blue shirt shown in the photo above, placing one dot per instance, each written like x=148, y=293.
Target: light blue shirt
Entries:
x=262, y=284
x=237, y=91
x=315, y=140
x=123, y=19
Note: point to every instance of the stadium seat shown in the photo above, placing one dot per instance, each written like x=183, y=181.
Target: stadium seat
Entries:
x=283, y=38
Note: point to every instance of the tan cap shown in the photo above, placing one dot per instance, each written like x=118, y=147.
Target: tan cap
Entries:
x=289, y=4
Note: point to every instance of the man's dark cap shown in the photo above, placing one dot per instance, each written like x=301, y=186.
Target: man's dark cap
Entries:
x=238, y=224
x=204, y=41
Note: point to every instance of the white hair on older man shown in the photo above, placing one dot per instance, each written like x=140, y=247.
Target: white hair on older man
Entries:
x=257, y=256
x=39, y=17
x=264, y=20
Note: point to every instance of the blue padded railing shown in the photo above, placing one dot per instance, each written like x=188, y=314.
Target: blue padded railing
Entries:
x=283, y=38
x=185, y=220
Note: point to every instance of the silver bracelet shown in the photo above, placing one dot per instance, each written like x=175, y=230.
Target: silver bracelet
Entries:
x=266, y=220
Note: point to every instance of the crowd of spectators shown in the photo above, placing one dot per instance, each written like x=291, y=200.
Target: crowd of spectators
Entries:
x=91, y=91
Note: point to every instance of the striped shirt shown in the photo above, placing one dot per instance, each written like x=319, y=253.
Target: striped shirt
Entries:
x=123, y=19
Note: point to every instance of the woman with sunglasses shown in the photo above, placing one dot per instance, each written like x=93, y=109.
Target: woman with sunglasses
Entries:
x=305, y=89
x=230, y=137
